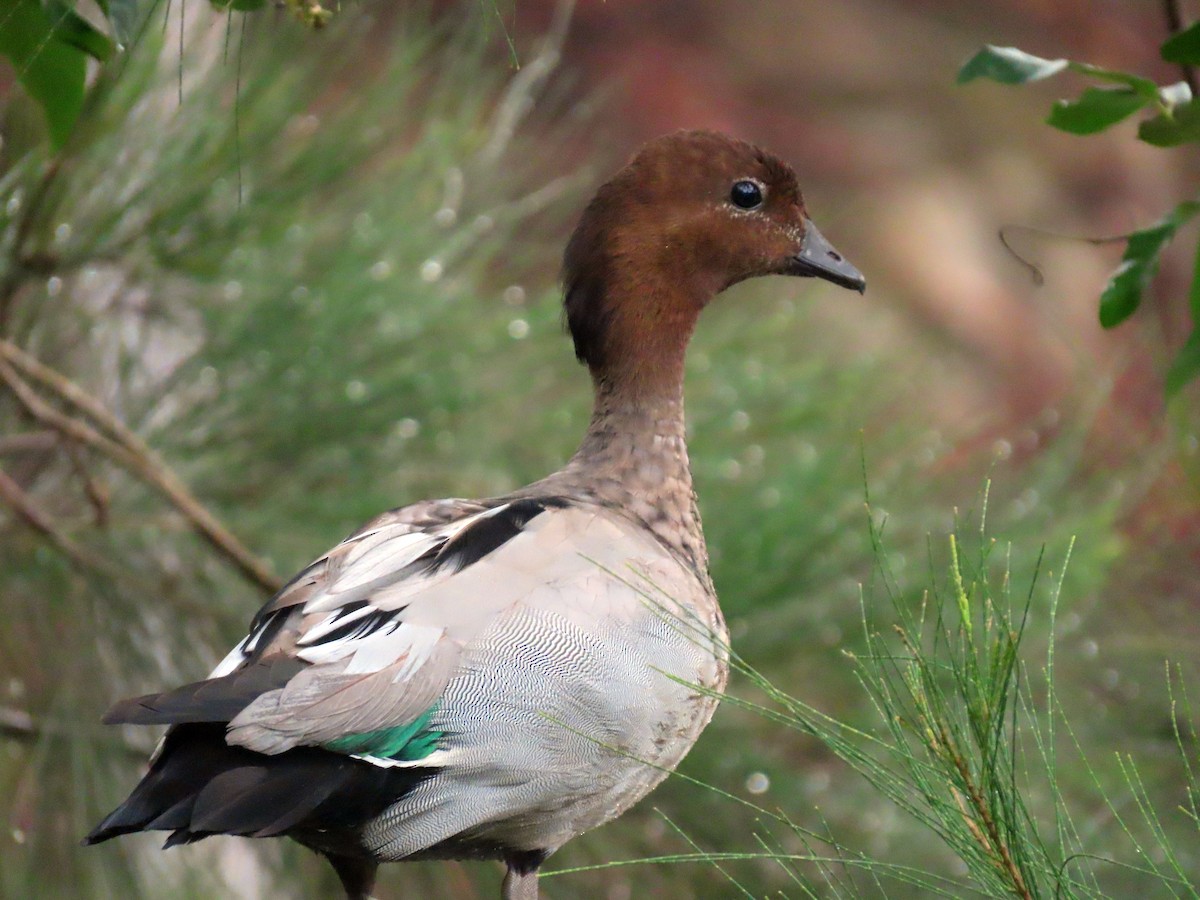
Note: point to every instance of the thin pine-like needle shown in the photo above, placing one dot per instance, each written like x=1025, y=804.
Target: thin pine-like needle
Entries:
x=237, y=109
x=182, y=24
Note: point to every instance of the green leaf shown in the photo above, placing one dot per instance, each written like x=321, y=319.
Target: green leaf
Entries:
x=1180, y=126
x=1183, y=47
x=1095, y=110
x=239, y=5
x=1143, y=86
x=1186, y=365
x=124, y=17
x=51, y=71
x=74, y=29
x=1194, y=290
x=1008, y=65
x=1123, y=293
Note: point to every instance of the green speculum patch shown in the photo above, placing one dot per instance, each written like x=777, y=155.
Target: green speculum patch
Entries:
x=404, y=743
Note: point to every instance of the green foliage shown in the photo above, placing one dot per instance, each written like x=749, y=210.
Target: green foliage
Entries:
x=1184, y=47
x=1125, y=288
x=1095, y=110
x=47, y=42
x=1176, y=121
x=1186, y=364
x=48, y=55
x=1181, y=125
x=124, y=16
x=1008, y=65
x=239, y=5
x=71, y=28
x=972, y=742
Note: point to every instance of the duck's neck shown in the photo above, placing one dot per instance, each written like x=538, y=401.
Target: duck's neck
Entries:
x=634, y=454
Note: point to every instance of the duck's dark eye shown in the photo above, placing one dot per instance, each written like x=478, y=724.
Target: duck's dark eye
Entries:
x=746, y=195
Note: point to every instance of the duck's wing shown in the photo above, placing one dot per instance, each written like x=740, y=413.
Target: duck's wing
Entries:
x=354, y=652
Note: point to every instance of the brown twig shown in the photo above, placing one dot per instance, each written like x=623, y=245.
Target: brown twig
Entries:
x=93, y=488
x=30, y=442
x=993, y=842
x=1175, y=25
x=85, y=560
x=18, y=725
x=28, y=512
x=125, y=448
x=39, y=409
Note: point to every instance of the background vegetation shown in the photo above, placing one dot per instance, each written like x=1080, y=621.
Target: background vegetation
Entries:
x=293, y=279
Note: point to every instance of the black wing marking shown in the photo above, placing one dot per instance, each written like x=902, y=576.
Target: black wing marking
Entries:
x=486, y=535
x=353, y=621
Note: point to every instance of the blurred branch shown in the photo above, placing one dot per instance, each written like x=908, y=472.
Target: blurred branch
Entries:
x=28, y=512
x=19, y=725
x=518, y=99
x=30, y=442
x=1174, y=26
x=125, y=448
x=16, y=723
x=93, y=489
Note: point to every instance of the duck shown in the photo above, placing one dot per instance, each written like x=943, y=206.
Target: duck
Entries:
x=487, y=679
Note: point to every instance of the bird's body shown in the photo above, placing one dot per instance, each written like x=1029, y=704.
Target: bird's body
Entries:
x=488, y=679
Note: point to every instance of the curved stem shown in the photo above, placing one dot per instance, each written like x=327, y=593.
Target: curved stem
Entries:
x=124, y=447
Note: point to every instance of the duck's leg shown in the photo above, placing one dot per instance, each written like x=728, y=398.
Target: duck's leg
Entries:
x=520, y=885
x=521, y=879
x=357, y=875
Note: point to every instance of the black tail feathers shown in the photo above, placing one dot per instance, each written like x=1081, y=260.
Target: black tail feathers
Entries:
x=200, y=786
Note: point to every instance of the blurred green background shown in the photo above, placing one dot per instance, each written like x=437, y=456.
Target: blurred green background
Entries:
x=315, y=272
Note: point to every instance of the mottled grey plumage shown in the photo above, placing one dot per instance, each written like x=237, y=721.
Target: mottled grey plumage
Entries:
x=488, y=679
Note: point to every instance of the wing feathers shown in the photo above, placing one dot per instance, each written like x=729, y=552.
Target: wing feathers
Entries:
x=488, y=532
x=334, y=653
x=213, y=700
x=380, y=558
x=321, y=705
x=347, y=622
